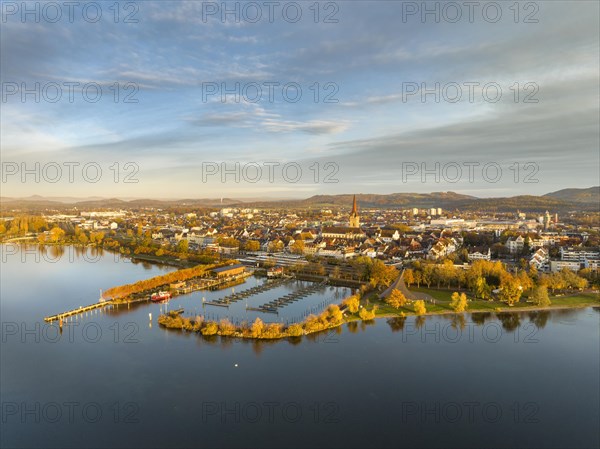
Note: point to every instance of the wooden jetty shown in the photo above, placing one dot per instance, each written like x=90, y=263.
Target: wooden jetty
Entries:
x=81, y=309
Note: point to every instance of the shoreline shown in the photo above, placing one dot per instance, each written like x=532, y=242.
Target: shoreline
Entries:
x=355, y=318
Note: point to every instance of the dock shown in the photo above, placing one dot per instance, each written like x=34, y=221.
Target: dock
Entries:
x=81, y=309
x=226, y=300
x=273, y=306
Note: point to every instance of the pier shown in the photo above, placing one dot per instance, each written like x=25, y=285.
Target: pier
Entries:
x=272, y=306
x=81, y=309
x=226, y=300
x=200, y=284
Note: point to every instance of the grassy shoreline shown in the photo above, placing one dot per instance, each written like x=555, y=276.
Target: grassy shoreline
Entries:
x=583, y=300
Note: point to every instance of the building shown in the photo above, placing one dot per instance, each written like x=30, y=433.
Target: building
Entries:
x=275, y=272
x=480, y=255
x=351, y=232
x=231, y=270
x=547, y=220
x=557, y=265
x=354, y=217
x=540, y=260
x=579, y=254
x=515, y=245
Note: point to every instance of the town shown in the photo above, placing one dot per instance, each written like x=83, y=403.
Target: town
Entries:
x=330, y=237
x=347, y=245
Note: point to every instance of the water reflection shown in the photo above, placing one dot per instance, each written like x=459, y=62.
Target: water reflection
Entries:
x=479, y=318
x=539, y=318
x=352, y=327
x=510, y=320
x=396, y=324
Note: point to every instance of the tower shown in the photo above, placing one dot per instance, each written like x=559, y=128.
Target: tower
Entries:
x=354, y=218
x=547, y=220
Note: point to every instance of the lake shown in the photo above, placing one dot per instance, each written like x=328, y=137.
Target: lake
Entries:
x=114, y=378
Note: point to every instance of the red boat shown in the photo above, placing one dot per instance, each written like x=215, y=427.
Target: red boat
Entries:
x=160, y=296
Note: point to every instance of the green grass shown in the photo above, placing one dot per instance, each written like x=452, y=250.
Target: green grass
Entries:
x=440, y=295
x=444, y=298
x=581, y=299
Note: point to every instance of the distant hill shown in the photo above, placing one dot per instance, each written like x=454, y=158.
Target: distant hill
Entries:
x=561, y=201
x=589, y=195
x=445, y=200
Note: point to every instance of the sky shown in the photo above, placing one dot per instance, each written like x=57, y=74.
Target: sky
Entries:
x=293, y=99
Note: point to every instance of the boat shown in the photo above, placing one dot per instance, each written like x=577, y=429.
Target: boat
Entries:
x=160, y=296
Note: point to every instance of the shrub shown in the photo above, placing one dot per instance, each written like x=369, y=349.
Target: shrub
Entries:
x=272, y=330
x=257, y=328
x=226, y=327
x=312, y=324
x=366, y=315
x=295, y=330
x=210, y=328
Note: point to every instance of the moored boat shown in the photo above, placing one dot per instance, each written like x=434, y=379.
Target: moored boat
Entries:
x=160, y=296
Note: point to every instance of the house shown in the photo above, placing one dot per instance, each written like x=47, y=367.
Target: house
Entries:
x=442, y=248
x=540, y=260
x=515, y=245
x=480, y=254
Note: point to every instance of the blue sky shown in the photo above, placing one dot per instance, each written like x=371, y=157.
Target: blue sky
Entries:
x=370, y=56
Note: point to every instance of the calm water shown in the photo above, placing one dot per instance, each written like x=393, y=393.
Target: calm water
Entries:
x=115, y=379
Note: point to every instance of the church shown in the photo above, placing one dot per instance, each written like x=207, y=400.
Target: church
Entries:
x=350, y=232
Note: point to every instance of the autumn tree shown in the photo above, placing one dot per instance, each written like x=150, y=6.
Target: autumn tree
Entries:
x=252, y=245
x=381, y=275
x=297, y=247
x=367, y=315
x=539, y=296
x=257, y=328
x=459, y=302
x=56, y=234
x=409, y=276
x=418, y=278
x=419, y=307
x=353, y=303
x=510, y=289
x=182, y=246
x=396, y=299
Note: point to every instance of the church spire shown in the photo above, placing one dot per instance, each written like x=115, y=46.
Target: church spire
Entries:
x=354, y=218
